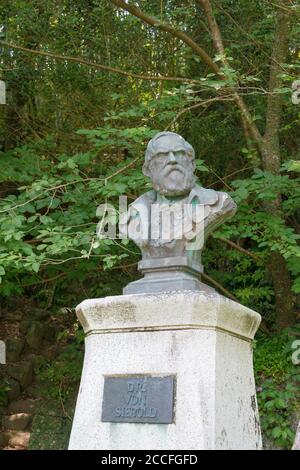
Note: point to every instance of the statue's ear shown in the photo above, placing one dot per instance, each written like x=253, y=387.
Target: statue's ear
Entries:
x=146, y=170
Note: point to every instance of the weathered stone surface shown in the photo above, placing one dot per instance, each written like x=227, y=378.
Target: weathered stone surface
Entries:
x=203, y=340
x=171, y=223
x=296, y=445
x=19, y=439
x=15, y=390
x=22, y=372
x=16, y=422
x=180, y=309
x=22, y=406
x=14, y=348
x=34, y=336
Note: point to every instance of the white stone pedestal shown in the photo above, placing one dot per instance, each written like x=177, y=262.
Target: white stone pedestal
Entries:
x=203, y=339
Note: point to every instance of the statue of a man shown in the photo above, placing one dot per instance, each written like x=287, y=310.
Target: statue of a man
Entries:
x=171, y=222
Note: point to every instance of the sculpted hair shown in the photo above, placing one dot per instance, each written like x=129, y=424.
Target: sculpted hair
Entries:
x=150, y=151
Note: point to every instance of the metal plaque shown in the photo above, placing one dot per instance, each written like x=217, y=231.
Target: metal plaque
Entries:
x=138, y=399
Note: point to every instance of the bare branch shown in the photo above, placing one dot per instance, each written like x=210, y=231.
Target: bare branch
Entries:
x=218, y=43
x=237, y=247
x=257, y=44
x=284, y=8
x=213, y=26
x=169, y=29
x=197, y=105
x=107, y=68
x=218, y=286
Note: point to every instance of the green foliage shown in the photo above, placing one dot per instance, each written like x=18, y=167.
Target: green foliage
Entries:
x=4, y=388
x=273, y=355
x=72, y=137
x=278, y=391
x=57, y=380
x=268, y=233
x=276, y=403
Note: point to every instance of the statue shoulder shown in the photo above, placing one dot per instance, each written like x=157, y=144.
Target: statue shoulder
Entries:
x=205, y=196
x=145, y=200
x=210, y=196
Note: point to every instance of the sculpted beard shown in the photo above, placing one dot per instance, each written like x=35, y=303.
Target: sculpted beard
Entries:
x=174, y=180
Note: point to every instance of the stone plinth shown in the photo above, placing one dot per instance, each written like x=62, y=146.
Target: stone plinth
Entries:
x=202, y=339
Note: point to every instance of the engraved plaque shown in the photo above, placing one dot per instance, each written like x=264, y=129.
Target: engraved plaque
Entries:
x=138, y=399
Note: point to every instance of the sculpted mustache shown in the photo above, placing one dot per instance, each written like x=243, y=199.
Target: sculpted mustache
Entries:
x=172, y=166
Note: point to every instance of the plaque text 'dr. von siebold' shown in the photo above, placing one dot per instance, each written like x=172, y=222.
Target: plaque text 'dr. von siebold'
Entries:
x=138, y=399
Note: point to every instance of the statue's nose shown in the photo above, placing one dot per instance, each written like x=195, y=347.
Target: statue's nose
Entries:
x=172, y=158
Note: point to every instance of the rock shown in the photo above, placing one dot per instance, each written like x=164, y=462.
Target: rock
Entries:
x=37, y=361
x=4, y=438
x=49, y=332
x=24, y=326
x=51, y=352
x=22, y=372
x=33, y=391
x=64, y=311
x=13, y=317
x=41, y=314
x=16, y=422
x=14, y=348
x=14, y=392
x=35, y=335
x=22, y=406
x=20, y=439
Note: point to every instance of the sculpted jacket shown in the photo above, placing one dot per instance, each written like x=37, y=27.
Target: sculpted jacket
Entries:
x=204, y=210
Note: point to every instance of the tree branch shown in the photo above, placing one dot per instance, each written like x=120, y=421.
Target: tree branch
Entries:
x=274, y=103
x=107, y=68
x=218, y=43
x=237, y=247
x=284, y=8
x=197, y=105
x=70, y=183
x=213, y=26
x=218, y=286
x=212, y=281
x=135, y=11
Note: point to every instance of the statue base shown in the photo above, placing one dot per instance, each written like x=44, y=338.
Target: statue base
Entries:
x=169, y=274
x=167, y=371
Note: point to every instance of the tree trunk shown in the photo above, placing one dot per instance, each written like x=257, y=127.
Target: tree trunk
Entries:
x=277, y=266
x=284, y=299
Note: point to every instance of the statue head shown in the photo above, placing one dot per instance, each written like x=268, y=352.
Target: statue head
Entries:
x=170, y=163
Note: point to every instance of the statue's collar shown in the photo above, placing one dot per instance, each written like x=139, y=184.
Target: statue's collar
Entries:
x=197, y=195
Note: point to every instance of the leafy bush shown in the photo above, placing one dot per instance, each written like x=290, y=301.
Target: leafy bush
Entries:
x=278, y=391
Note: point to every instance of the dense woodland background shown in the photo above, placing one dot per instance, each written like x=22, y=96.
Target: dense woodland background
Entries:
x=89, y=82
